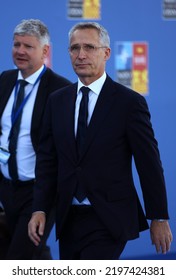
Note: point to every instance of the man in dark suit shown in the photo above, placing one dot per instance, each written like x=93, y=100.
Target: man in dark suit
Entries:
x=98, y=209
x=30, y=49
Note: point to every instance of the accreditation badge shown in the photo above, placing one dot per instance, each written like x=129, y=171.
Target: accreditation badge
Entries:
x=4, y=155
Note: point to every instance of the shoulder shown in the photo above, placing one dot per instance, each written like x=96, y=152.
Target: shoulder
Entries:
x=9, y=74
x=67, y=90
x=65, y=93
x=123, y=92
x=125, y=98
x=8, y=78
x=53, y=77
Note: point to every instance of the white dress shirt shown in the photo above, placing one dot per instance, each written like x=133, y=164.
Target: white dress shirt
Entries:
x=26, y=157
x=95, y=89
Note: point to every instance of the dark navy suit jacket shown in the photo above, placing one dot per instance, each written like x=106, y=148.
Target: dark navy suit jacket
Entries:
x=119, y=130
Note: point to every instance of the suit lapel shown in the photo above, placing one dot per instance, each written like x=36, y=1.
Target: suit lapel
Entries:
x=102, y=108
x=7, y=83
x=41, y=99
x=68, y=120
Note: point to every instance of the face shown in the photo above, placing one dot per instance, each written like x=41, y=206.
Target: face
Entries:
x=88, y=60
x=28, y=54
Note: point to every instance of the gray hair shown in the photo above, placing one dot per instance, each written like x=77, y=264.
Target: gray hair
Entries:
x=33, y=27
x=103, y=34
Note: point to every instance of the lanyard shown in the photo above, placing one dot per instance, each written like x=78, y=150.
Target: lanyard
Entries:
x=14, y=115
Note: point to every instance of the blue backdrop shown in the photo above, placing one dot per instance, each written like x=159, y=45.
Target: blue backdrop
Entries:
x=130, y=20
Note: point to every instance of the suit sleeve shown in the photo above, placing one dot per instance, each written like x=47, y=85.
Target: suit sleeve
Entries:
x=147, y=159
x=46, y=167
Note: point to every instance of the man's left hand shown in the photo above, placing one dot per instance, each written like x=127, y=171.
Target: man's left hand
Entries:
x=161, y=235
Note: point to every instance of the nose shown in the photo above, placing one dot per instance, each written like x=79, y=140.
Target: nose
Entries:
x=21, y=49
x=82, y=52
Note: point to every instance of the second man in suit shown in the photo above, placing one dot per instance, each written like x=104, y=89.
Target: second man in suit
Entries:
x=31, y=43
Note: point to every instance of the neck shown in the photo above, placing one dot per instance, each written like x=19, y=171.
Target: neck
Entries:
x=26, y=73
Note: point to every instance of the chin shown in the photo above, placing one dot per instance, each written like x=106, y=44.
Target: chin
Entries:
x=82, y=73
x=20, y=66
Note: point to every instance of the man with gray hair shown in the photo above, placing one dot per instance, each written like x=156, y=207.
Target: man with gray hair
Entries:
x=23, y=96
x=88, y=156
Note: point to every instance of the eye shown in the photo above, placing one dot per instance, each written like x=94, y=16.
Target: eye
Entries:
x=89, y=47
x=16, y=45
x=74, y=48
x=28, y=46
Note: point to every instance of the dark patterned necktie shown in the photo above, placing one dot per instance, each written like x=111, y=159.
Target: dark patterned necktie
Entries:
x=81, y=133
x=12, y=163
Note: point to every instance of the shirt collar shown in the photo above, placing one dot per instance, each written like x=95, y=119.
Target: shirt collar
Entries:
x=31, y=79
x=95, y=86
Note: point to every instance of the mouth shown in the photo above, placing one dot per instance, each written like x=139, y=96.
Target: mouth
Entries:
x=19, y=59
x=81, y=65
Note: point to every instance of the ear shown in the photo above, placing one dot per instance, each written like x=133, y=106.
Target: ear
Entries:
x=45, y=50
x=107, y=53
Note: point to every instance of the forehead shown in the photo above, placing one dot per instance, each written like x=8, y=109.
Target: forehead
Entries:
x=83, y=36
x=26, y=39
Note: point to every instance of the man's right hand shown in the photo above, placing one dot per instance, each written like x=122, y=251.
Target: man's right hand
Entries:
x=36, y=227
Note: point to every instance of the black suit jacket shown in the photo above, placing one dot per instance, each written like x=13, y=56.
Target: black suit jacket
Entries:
x=119, y=129
x=50, y=82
